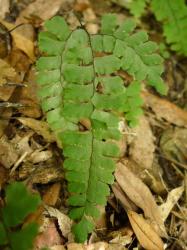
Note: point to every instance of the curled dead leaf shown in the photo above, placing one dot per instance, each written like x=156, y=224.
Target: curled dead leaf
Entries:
x=173, y=197
x=145, y=234
x=64, y=222
x=140, y=194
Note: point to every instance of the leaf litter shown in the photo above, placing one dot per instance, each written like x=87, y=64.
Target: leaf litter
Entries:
x=140, y=194
x=29, y=151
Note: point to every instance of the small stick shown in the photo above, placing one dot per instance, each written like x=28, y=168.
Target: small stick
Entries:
x=14, y=84
x=11, y=105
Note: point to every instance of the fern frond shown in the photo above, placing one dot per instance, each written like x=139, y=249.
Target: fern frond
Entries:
x=136, y=53
x=19, y=203
x=173, y=14
x=79, y=83
x=137, y=7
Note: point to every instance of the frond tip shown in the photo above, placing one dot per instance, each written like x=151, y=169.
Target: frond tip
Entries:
x=77, y=83
x=173, y=14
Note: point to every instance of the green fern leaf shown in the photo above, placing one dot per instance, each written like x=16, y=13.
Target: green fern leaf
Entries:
x=23, y=239
x=3, y=235
x=137, y=7
x=14, y=212
x=19, y=204
x=138, y=55
x=173, y=14
x=77, y=84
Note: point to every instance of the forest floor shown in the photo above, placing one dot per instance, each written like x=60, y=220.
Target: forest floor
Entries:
x=152, y=172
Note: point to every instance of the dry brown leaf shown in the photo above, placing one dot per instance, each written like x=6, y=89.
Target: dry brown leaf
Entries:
x=30, y=108
x=101, y=222
x=151, y=177
x=145, y=234
x=20, y=63
x=39, y=156
x=172, y=198
x=142, y=146
x=4, y=8
x=95, y=246
x=4, y=119
x=3, y=176
x=123, y=198
x=40, y=127
x=123, y=3
x=183, y=235
x=121, y=239
x=173, y=144
x=6, y=92
x=27, y=152
x=58, y=247
x=81, y=5
x=49, y=237
x=6, y=72
x=23, y=37
x=22, y=144
x=8, y=153
x=140, y=194
x=46, y=173
x=76, y=246
x=22, y=147
x=27, y=96
x=43, y=9
x=164, y=109
x=89, y=18
x=49, y=198
x=64, y=222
